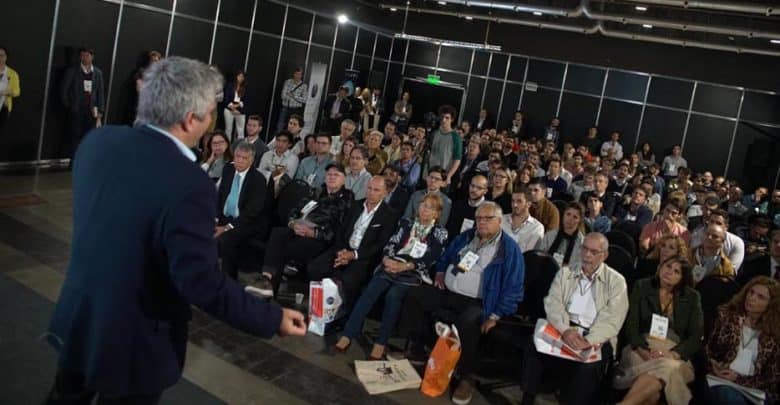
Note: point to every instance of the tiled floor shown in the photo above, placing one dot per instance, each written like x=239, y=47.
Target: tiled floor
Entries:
x=223, y=365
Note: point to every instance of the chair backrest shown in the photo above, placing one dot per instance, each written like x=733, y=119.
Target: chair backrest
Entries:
x=622, y=239
x=714, y=292
x=561, y=205
x=620, y=260
x=289, y=196
x=540, y=269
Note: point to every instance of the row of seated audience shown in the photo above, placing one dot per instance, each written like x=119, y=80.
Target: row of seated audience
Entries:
x=447, y=228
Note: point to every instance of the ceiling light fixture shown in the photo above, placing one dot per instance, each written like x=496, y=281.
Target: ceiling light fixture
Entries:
x=442, y=3
x=640, y=8
x=393, y=9
x=468, y=17
x=342, y=18
x=450, y=43
x=648, y=26
x=775, y=41
x=538, y=13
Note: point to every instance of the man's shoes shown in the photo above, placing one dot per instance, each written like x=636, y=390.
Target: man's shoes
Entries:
x=464, y=392
x=262, y=288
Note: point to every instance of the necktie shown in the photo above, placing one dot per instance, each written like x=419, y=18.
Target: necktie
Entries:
x=231, y=203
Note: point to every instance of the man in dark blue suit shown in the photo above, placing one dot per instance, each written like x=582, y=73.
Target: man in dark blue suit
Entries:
x=144, y=249
x=241, y=203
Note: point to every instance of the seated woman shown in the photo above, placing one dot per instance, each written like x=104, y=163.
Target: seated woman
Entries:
x=501, y=189
x=413, y=248
x=216, y=155
x=668, y=246
x=744, y=347
x=565, y=243
x=656, y=360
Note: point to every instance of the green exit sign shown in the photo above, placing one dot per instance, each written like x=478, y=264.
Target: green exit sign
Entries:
x=433, y=79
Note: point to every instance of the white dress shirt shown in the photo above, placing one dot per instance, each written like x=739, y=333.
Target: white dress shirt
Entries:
x=527, y=235
x=361, y=225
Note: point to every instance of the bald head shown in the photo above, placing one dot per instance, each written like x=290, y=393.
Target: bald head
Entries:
x=714, y=236
x=376, y=190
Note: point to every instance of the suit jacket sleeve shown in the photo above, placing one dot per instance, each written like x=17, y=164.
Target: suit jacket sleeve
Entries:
x=387, y=220
x=187, y=229
x=100, y=95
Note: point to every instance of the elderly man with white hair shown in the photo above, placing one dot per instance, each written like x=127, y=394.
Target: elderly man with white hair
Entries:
x=479, y=278
x=587, y=303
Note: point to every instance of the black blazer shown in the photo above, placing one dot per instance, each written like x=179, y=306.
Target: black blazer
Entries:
x=378, y=233
x=754, y=268
x=251, y=201
x=344, y=108
x=464, y=179
x=399, y=198
x=143, y=251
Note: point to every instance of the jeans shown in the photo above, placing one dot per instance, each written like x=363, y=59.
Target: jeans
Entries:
x=726, y=396
x=371, y=294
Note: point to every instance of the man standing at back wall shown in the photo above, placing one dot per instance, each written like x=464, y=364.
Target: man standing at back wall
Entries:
x=144, y=250
x=83, y=96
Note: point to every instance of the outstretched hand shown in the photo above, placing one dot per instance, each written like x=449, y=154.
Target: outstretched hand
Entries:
x=293, y=323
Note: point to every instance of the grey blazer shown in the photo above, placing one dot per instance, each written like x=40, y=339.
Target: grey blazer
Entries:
x=72, y=90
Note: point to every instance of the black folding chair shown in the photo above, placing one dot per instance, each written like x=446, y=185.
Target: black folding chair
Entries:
x=622, y=239
x=714, y=291
x=621, y=260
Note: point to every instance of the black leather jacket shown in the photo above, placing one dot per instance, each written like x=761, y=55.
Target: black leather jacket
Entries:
x=329, y=213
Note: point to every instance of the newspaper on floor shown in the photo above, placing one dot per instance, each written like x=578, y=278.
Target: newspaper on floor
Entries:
x=379, y=377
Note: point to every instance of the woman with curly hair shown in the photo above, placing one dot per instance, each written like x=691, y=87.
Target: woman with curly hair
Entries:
x=668, y=246
x=744, y=347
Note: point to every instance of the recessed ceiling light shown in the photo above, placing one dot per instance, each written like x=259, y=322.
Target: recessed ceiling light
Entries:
x=443, y=3
x=537, y=13
x=468, y=17
x=342, y=18
x=393, y=9
x=775, y=41
x=647, y=25
x=640, y=8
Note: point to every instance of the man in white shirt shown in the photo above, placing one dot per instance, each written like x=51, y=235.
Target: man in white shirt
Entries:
x=280, y=160
x=526, y=230
x=613, y=146
x=357, y=175
x=733, y=245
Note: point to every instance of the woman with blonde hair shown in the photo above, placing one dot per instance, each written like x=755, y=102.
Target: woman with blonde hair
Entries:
x=501, y=188
x=744, y=346
x=666, y=247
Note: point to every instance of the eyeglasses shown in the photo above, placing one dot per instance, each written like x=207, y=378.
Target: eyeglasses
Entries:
x=590, y=251
x=484, y=218
x=435, y=178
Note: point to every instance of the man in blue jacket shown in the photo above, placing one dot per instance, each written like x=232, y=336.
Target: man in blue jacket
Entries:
x=480, y=280
x=144, y=249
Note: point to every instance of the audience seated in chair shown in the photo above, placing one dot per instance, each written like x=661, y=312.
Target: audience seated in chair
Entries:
x=312, y=168
x=587, y=303
x=480, y=278
x=667, y=247
x=310, y=230
x=526, y=230
x=434, y=181
x=656, y=362
x=565, y=243
x=668, y=223
x=413, y=248
x=744, y=346
x=462, y=214
x=733, y=245
x=600, y=184
x=542, y=208
x=366, y=228
x=764, y=265
x=397, y=195
x=242, y=198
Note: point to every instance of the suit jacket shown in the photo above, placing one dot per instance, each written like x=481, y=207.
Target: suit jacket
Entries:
x=345, y=107
x=230, y=94
x=399, y=198
x=252, y=212
x=687, y=319
x=72, y=90
x=754, y=268
x=608, y=199
x=143, y=251
x=377, y=234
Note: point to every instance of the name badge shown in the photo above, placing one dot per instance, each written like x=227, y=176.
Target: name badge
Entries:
x=468, y=261
x=310, y=178
x=549, y=192
x=87, y=86
x=558, y=258
x=659, y=326
x=672, y=167
x=630, y=217
x=549, y=136
x=467, y=224
x=309, y=207
x=418, y=249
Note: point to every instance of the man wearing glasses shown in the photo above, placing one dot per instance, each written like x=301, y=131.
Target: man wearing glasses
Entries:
x=587, y=303
x=312, y=168
x=435, y=182
x=479, y=278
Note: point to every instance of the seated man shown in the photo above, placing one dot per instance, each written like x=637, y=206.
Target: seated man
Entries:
x=366, y=228
x=462, y=215
x=435, y=182
x=556, y=185
x=632, y=217
x=479, y=278
x=620, y=184
x=667, y=223
x=241, y=197
x=279, y=161
x=310, y=230
x=733, y=245
x=519, y=224
x=357, y=175
x=600, y=184
x=542, y=208
x=397, y=195
x=763, y=265
x=254, y=125
x=312, y=168
x=587, y=303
